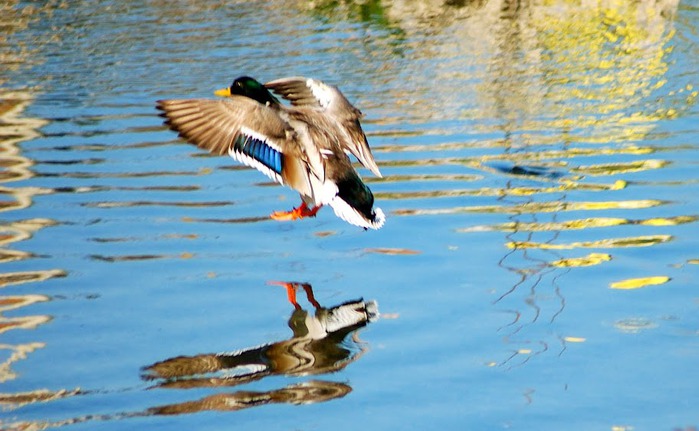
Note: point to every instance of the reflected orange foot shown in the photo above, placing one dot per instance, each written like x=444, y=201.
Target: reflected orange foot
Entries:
x=291, y=292
x=297, y=213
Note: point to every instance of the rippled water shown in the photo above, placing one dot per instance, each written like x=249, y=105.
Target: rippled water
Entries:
x=537, y=270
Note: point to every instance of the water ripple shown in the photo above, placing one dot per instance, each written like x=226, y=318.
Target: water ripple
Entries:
x=538, y=160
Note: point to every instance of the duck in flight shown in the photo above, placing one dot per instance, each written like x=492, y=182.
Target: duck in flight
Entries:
x=303, y=145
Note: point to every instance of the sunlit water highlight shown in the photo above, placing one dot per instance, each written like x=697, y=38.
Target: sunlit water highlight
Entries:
x=537, y=269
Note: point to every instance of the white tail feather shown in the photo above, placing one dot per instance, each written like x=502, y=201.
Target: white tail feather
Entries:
x=352, y=216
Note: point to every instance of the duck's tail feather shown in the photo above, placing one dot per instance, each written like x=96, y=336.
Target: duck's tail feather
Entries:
x=354, y=203
x=343, y=210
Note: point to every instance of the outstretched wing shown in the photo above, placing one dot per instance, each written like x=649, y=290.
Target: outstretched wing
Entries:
x=302, y=91
x=251, y=133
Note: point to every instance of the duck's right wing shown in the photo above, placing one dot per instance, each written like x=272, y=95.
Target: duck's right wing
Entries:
x=302, y=91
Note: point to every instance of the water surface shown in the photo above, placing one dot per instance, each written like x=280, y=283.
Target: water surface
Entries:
x=537, y=269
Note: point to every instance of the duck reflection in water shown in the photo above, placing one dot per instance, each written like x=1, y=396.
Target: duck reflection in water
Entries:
x=318, y=346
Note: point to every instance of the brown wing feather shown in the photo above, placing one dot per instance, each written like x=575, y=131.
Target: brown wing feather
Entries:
x=295, y=90
x=302, y=91
x=214, y=125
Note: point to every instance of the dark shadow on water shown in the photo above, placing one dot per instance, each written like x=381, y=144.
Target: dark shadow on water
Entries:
x=521, y=170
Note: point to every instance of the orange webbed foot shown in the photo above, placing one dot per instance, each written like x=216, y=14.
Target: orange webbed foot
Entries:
x=297, y=213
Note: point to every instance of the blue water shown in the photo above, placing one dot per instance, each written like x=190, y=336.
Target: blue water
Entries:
x=538, y=266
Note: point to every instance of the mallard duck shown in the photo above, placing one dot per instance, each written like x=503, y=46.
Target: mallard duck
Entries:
x=303, y=145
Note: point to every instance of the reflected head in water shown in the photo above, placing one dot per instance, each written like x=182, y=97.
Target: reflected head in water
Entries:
x=304, y=145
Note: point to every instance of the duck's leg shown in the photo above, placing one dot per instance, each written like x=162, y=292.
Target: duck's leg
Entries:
x=291, y=294
x=299, y=212
x=290, y=291
x=309, y=294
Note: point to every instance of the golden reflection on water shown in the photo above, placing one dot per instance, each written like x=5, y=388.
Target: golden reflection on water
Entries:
x=588, y=223
x=529, y=207
x=14, y=129
x=589, y=260
x=637, y=241
x=592, y=77
x=637, y=283
x=574, y=88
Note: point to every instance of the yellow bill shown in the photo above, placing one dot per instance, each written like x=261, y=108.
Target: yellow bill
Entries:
x=224, y=92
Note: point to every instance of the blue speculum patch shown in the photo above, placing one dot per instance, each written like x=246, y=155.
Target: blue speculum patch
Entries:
x=260, y=151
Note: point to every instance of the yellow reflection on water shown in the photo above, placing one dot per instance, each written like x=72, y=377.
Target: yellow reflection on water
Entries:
x=668, y=221
x=588, y=223
x=638, y=241
x=539, y=207
x=618, y=168
x=610, y=56
x=589, y=260
x=574, y=86
x=637, y=283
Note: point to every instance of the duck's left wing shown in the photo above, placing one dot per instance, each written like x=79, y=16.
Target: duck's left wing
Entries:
x=302, y=91
x=249, y=132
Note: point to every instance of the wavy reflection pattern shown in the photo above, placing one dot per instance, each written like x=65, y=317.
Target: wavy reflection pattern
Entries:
x=324, y=341
x=319, y=345
x=14, y=129
x=568, y=98
x=536, y=117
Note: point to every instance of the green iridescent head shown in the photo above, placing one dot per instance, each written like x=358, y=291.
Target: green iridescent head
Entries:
x=249, y=87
